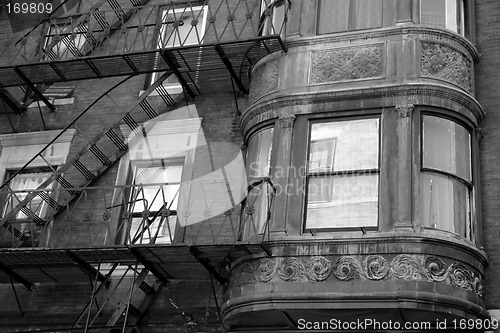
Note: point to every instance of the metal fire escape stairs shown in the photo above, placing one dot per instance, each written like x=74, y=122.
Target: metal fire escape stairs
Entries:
x=198, y=69
x=35, y=92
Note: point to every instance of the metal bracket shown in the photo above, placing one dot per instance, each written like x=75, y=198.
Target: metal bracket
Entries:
x=32, y=87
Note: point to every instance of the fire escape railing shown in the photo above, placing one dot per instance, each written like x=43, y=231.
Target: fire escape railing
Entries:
x=207, y=44
x=126, y=215
x=141, y=28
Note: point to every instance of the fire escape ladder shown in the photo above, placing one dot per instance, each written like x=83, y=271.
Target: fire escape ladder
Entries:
x=110, y=305
x=93, y=158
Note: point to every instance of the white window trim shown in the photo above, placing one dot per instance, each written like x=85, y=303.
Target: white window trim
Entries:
x=176, y=88
x=19, y=148
x=161, y=128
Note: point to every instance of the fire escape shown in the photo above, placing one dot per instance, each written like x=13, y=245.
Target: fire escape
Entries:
x=112, y=39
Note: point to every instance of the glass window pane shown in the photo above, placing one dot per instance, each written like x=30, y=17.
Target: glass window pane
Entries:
x=342, y=201
x=22, y=184
x=259, y=154
x=447, y=14
x=433, y=13
x=446, y=147
x=365, y=14
x=333, y=16
x=166, y=182
x=445, y=203
x=344, y=145
x=163, y=233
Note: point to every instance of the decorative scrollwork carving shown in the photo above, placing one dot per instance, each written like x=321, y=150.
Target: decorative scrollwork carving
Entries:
x=376, y=267
x=407, y=267
x=291, y=269
x=371, y=267
x=319, y=268
x=347, y=268
x=436, y=268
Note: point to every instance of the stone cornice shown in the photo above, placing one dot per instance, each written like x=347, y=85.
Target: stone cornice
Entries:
x=351, y=37
x=376, y=243
x=410, y=91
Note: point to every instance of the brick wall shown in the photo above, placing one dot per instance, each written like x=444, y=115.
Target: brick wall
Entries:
x=488, y=93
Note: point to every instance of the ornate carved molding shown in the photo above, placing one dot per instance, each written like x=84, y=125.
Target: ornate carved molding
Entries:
x=385, y=94
x=286, y=120
x=443, y=62
x=405, y=110
x=264, y=80
x=343, y=64
x=346, y=268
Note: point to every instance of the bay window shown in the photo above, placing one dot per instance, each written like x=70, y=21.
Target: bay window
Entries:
x=343, y=174
x=446, y=177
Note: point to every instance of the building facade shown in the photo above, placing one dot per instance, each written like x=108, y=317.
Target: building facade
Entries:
x=255, y=165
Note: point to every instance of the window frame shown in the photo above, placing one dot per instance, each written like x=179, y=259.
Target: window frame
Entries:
x=268, y=23
x=462, y=14
x=176, y=87
x=170, y=234
x=246, y=232
x=377, y=171
x=81, y=35
x=472, y=223
x=44, y=212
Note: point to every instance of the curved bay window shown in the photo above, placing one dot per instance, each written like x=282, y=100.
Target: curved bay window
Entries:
x=343, y=174
x=258, y=168
x=446, y=178
x=446, y=14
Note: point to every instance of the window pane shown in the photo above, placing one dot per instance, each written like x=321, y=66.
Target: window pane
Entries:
x=344, y=145
x=259, y=154
x=167, y=182
x=342, y=201
x=142, y=233
x=442, y=14
x=446, y=147
x=365, y=14
x=71, y=41
x=433, y=13
x=258, y=165
x=333, y=16
x=445, y=203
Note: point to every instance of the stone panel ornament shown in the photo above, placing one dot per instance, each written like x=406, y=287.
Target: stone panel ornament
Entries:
x=264, y=80
x=346, y=268
x=343, y=64
x=445, y=63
